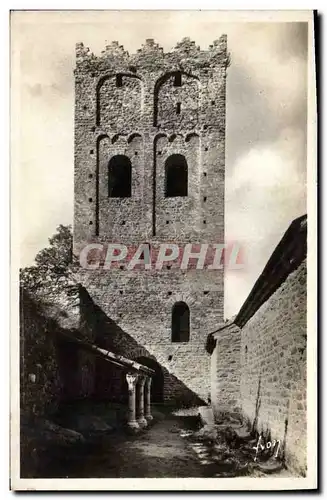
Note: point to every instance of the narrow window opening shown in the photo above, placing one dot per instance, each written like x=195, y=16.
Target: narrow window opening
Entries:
x=178, y=80
x=178, y=108
x=204, y=198
x=142, y=256
x=119, y=81
x=119, y=177
x=180, y=325
x=170, y=357
x=90, y=200
x=176, y=176
x=90, y=176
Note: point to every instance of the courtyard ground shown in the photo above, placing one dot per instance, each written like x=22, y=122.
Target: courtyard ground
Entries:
x=160, y=451
x=171, y=447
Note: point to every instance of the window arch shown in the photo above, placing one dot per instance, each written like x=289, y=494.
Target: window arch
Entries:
x=119, y=177
x=176, y=172
x=180, y=323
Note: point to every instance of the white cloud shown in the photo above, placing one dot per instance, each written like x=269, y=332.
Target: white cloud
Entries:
x=265, y=192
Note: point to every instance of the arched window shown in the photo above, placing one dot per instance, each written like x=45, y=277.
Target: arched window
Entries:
x=176, y=176
x=178, y=79
x=119, y=177
x=180, y=323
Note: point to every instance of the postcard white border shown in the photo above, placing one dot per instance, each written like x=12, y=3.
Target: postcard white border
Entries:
x=179, y=484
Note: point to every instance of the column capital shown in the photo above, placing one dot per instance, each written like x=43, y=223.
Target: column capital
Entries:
x=142, y=379
x=131, y=379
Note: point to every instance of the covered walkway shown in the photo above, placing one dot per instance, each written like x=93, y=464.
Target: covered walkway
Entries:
x=138, y=378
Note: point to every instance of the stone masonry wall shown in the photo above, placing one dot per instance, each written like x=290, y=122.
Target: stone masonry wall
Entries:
x=273, y=368
x=225, y=371
x=168, y=96
x=52, y=368
x=140, y=304
x=110, y=381
x=118, y=107
x=40, y=384
x=108, y=117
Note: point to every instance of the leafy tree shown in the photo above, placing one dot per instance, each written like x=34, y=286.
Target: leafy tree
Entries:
x=52, y=264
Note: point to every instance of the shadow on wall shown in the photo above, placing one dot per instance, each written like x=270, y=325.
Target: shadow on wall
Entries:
x=109, y=380
x=257, y=408
x=267, y=433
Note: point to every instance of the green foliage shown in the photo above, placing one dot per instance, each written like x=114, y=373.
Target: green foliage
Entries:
x=52, y=264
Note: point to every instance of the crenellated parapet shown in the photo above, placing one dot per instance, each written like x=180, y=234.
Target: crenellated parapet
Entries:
x=152, y=58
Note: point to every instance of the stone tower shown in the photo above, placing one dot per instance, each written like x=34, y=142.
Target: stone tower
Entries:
x=149, y=168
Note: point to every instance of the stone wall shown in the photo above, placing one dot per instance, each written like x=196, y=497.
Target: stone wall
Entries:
x=260, y=369
x=40, y=383
x=168, y=96
x=139, y=306
x=258, y=362
x=53, y=369
x=273, y=367
x=120, y=96
x=225, y=371
x=120, y=106
x=113, y=215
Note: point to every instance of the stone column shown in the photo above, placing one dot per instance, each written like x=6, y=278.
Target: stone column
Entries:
x=140, y=401
x=131, y=381
x=148, y=415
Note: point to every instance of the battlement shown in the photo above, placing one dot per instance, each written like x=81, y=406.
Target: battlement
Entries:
x=151, y=56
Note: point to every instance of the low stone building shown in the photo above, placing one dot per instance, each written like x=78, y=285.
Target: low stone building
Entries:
x=62, y=360
x=60, y=367
x=258, y=361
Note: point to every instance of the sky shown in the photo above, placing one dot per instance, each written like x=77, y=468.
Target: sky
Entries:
x=266, y=121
